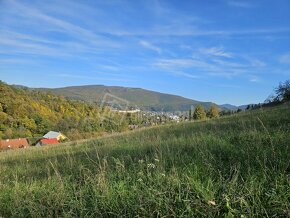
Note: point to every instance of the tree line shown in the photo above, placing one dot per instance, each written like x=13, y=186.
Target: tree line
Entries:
x=281, y=95
x=199, y=113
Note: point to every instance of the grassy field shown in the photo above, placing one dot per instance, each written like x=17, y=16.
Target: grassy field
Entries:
x=235, y=166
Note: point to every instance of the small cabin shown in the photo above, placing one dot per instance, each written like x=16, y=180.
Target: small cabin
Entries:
x=8, y=144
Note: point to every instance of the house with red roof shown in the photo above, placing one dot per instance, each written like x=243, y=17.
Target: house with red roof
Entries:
x=49, y=141
x=8, y=144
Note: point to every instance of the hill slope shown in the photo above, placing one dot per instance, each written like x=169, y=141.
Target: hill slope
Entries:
x=144, y=99
x=26, y=113
x=236, y=166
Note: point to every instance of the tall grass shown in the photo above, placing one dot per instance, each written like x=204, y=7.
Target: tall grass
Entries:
x=235, y=166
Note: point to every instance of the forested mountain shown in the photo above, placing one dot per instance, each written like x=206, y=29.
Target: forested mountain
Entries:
x=31, y=113
x=137, y=97
x=233, y=107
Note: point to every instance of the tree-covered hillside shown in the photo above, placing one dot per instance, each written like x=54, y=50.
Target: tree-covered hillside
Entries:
x=144, y=99
x=30, y=113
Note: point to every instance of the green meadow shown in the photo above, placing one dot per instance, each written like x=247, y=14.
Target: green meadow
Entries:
x=234, y=166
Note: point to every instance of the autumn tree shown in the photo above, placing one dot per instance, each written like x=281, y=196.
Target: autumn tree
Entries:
x=199, y=113
x=213, y=112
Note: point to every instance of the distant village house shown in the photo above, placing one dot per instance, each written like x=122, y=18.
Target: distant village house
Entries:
x=54, y=135
x=42, y=142
x=51, y=138
x=13, y=144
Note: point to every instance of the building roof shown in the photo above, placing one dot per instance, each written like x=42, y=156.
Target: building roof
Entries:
x=49, y=141
x=52, y=134
x=13, y=143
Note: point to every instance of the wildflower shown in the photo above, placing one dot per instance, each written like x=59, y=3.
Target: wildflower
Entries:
x=157, y=160
x=211, y=203
x=140, y=161
x=162, y=174
x=140, y=180
x=151, y=165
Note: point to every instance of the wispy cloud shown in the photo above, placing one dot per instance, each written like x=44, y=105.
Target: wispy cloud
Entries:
x=150, y=46
x=17, y=61
x=197, y=32
x=257, y=63
x=254, y=79
x=229, y=64
x=62, y=25
x=16, y=46
x=184, y=74
x=216, y=51
x=202, y=67
x=224, y=73
x=85, y=77
x=77, y=36
x=240, y=3
x=179, y=63
x=285, y=59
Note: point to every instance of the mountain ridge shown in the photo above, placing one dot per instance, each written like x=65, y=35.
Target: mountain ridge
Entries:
x=234, y=107
x=137, y=97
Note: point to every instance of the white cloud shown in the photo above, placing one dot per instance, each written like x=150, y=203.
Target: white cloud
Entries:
x=225, y=73
x=37, y=18
x=184, y=74
x=229, y=64
x=216, y=51
x=189, y=30
x=180, y=63
x=150, y=46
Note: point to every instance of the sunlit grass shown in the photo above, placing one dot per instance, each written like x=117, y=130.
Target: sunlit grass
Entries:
x=232, y=166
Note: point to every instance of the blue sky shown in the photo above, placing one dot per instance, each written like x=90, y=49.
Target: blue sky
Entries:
x=225, y=51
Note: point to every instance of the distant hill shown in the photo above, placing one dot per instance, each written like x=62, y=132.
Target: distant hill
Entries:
x=233, y=107
x=136, y=97
x=229, y=106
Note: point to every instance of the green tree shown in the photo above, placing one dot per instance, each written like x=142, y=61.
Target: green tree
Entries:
x=283, y=91
x=28, y=123
x=8, y=133
x=213, y=112
x=199, y=113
